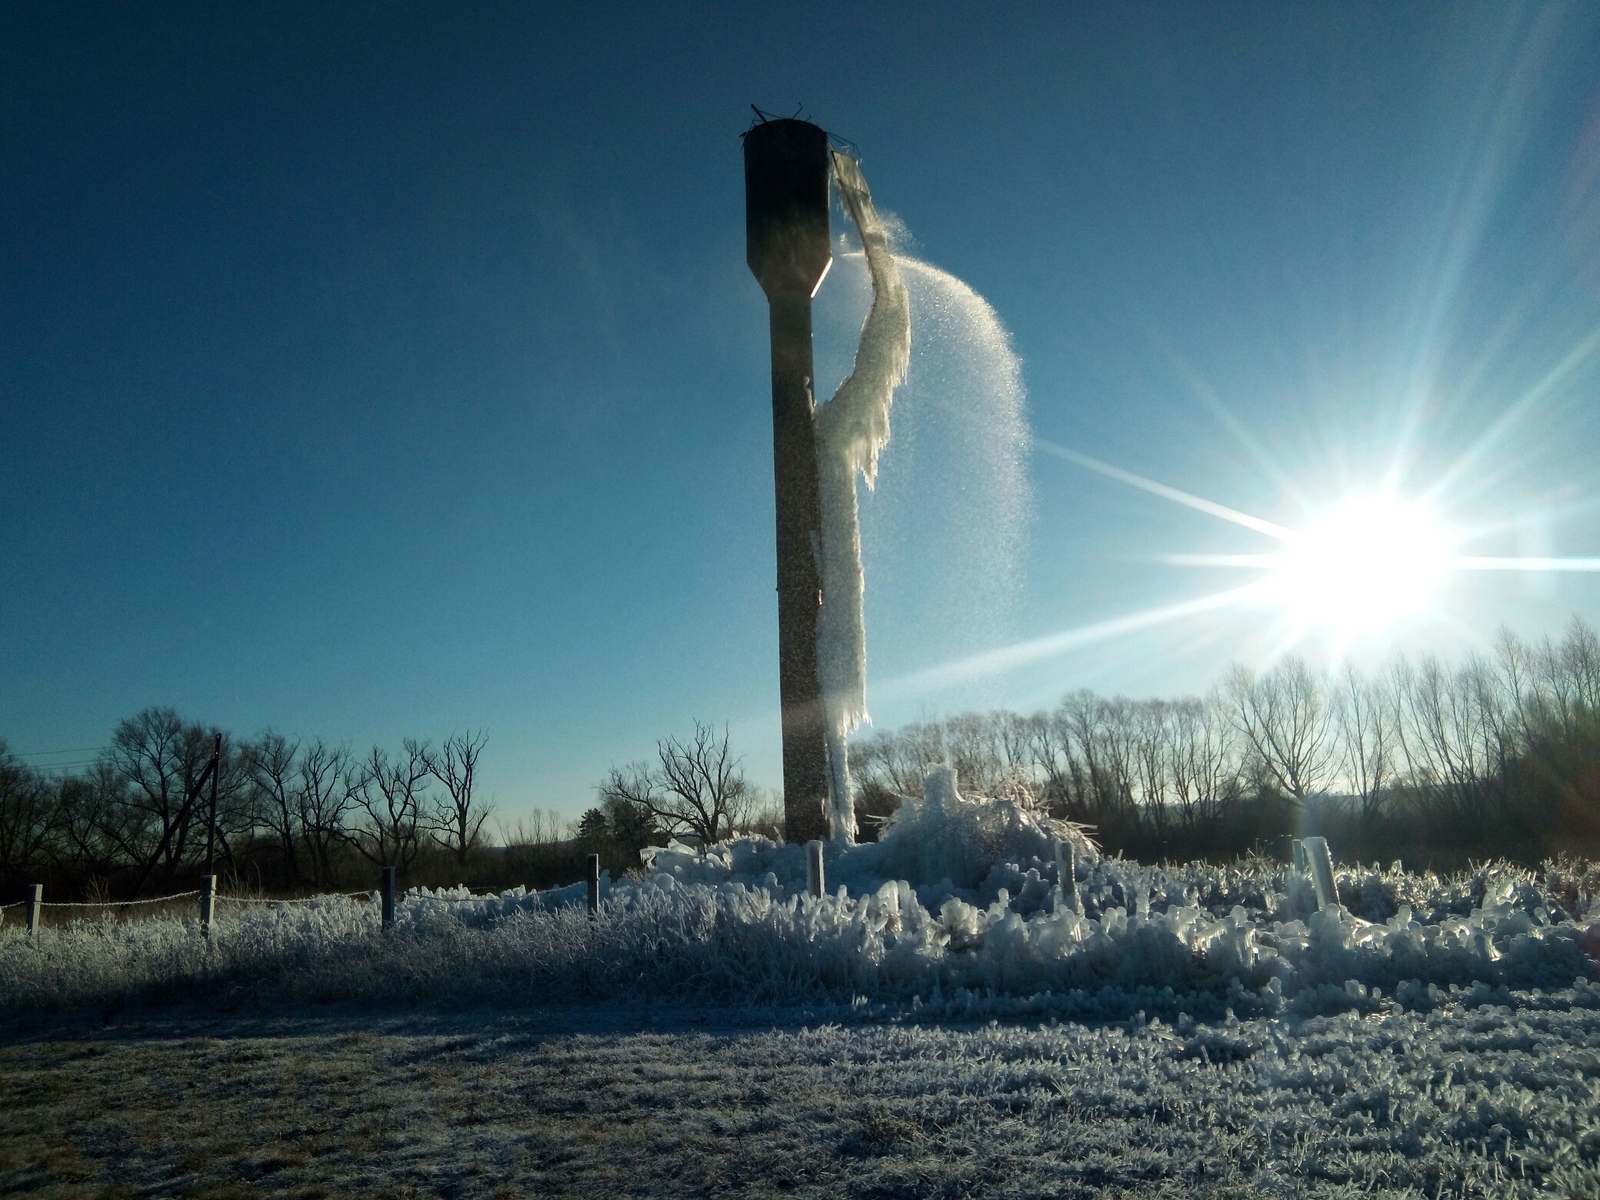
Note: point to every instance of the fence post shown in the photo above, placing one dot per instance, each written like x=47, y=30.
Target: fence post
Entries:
x=1067, y=874
x=389, y=873
x=1313, y=852
x=591, y=870
x=35, y=901
x=208, y=903
x=815, y=884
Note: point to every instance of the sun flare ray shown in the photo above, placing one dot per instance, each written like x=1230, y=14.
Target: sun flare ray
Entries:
x=1020, y=654
x=1187, y=499
x=1357, y=567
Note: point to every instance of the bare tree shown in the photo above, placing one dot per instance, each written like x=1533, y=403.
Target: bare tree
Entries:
x=269, y=764
x=705, y=789
x=394, y=802
x=541, y=827
x=322, y=797
x=1152, y=760
x=458, y=823
x=974, y=751
x=1064, y=782
x=88, y=817
x=695, y=787
x=1442, y=737
x=1285, y=718
x=895, y=761
x=156, y=819
x=1102, y=738
x=1365, y=711
x=28, y=812
x=1204, y=762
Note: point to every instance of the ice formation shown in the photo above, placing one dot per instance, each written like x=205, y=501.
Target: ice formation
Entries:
x=965, y=907
x=1415, y=1015
x=850, y=431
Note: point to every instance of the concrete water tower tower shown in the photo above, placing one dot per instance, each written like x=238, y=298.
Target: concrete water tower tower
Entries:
x=786, y=172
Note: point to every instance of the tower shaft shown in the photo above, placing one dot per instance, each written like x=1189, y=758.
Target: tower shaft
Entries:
x=786, y=221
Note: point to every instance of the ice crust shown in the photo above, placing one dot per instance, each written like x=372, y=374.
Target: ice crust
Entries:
x=851, y=429
x=960, y=908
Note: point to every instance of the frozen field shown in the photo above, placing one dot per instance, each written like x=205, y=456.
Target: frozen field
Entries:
x=961, y=1014
x=1493, y=1100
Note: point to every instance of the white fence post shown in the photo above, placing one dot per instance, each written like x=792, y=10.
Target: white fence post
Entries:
x=1067, y=874
x=591, y=874
x=1312, y=855
x=35, y=902
x=815, y=883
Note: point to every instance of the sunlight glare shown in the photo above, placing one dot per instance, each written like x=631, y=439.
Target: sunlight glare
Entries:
x=1362, y=565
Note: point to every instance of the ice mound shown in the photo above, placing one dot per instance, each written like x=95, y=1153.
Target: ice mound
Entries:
x=965, y=908
x=942, y=846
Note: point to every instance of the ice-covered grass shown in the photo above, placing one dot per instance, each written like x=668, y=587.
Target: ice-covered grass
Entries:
x=1188, y=1030
x=964, y=908
x=1493, y=1100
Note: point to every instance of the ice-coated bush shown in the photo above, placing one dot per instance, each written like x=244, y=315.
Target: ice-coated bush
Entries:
x=962, y=907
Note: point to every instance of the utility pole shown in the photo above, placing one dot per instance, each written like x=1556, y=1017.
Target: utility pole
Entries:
x=786, y=167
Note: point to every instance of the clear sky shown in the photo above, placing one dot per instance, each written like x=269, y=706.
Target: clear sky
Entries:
x=382, y=370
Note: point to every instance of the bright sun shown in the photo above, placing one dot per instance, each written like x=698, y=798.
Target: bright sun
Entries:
x=1360, y=566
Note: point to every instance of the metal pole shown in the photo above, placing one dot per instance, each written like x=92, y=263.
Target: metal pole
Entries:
x=786, y=167
x=591, y=871
x=389, y=874
x=208, y=903
x=35, y=903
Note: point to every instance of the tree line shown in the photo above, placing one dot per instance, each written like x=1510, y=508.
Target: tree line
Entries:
x=1496, y=756
x=290, y=814
x=304, y=815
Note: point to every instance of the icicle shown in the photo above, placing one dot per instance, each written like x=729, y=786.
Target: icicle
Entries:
x=851, y=429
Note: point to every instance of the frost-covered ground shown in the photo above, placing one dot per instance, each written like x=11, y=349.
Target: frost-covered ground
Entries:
x=1426, y=1033
x=963, y=910
x=1492, y=1100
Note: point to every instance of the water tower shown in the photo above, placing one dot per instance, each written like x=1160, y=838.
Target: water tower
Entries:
x=786, y=173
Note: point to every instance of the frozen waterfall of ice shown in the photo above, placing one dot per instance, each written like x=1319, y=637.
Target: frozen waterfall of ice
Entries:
x=850, y=431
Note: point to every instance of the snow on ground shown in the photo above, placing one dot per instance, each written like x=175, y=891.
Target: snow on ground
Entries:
x=1179, y=1030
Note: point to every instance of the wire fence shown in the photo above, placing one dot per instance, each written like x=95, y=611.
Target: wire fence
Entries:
x=365, y=893
x=111, y=903
x=317, y=899
x=388, y=894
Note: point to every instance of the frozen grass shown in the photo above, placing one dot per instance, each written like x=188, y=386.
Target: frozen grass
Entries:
x=994, y=933
x=1196, y=940
x=1488, y=1100
x=1175, y=1031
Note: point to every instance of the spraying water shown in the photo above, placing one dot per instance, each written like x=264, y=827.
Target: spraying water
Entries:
x=964, y=431
x=957, y=482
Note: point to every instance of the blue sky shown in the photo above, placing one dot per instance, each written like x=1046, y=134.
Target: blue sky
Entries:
x=385, y=370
